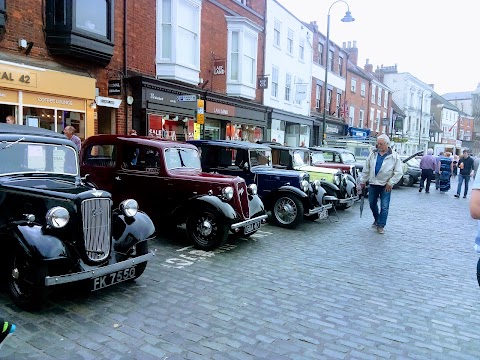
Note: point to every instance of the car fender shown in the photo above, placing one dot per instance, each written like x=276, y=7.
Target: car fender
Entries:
x=128, y=231
x=351, y=178
x=36, y=244
x=268, y=199
x=350, y=187
x=326, y=184
x=255, y=206
x=215, y=202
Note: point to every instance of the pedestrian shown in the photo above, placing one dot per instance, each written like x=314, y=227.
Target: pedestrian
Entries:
x=445, y=169
x=10, y=120
x=476, y=162
x=427, y=164
x=69, y=131
x=7, y=330
x=466, y=165
x=475, y=213
x=382, y=170
x=437, y=175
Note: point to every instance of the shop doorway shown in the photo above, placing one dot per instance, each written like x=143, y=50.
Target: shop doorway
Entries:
x=106, y=120
x=6, y=110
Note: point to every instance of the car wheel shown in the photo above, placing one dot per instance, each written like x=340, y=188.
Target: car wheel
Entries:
x=140, y=248
x=287, y=211
x=411, y=181
x=26, y=282
x=206, y=229
x=311, y=217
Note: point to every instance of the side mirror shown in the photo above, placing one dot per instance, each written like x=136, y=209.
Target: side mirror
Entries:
x=245, y=166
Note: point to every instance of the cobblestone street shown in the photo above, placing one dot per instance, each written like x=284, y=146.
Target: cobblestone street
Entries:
x=327, y=290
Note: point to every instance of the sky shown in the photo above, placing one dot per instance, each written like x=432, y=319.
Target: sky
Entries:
x=437, y=41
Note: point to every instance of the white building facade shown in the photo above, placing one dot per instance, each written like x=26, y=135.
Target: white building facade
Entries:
x=288, y=65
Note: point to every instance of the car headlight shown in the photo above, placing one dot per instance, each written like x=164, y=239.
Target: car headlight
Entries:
x=252, y=189
x=337, y=179
x=304, y=185
x=317, y=184
x=57, y=217
x=227, y=193
x=129, y=207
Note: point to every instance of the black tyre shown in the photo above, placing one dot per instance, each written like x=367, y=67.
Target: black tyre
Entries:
x=311, y=217
x=410, y=181
x=478, y=272
x=140, y=249
x=206, y=229
x=287, y=211
x=26, y=282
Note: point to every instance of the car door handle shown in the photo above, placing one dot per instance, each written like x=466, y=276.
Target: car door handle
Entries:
x=118, y=178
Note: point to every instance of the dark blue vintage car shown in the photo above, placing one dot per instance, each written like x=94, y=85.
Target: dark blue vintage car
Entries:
x=289, y=195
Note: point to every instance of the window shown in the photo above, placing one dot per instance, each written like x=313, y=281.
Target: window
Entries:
x=320, y=53
x=377, y=120
x=374, y=90
x=330, y=60
x=143, y=158
x=275, y=82
x=372, y=117
x=318, y=95
x=301, y=88
x=80, y=28
x=100, y=155
x=340, y=66
x=339, y=100
x=276, y=33
x=288, y=86
x=290, y=42
x=166, y=50
x=385, y=99
x=329, y=97
x=301, y=50
x=353, y=85
x=360, y=118
x=351, y=115
x=379, y=96
x=187, y=34
x=249, y=59
x=362, y=89
x=234, y=59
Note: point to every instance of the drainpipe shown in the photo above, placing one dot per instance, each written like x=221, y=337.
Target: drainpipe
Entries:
x=125, y=85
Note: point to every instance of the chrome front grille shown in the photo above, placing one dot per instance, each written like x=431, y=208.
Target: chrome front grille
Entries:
x=96, y=214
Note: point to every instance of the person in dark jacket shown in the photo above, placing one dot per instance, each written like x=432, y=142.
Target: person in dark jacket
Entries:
x=465, y=164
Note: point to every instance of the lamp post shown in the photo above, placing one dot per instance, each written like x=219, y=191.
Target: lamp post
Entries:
x=347, y=18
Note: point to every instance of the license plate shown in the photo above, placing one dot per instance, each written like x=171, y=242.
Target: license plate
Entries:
x=323, y=214
x=113, y=278
x=252, y=227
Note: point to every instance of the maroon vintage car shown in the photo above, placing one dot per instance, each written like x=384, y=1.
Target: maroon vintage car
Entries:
x=335, y=158
x=167, y=181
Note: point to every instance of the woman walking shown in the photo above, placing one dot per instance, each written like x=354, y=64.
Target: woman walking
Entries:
x=445, y=172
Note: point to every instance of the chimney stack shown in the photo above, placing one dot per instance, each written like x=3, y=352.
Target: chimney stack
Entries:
x=352, y=51
x=368, y=67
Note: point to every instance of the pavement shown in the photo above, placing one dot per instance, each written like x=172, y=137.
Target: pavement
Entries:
x=330, y=289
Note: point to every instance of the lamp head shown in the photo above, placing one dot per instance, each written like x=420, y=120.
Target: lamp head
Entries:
x=348, y=17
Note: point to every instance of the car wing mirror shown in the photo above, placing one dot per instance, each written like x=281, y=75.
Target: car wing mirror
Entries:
x=245, y=166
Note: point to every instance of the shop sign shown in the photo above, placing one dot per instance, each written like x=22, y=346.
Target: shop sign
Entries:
x=108, y=102
x=40, y=100
x=219, y=67
x=333, y=129
x=165, y=98
x=220, y=109
x=114, y=87
x=262, y=82
x=18, y=77
x=385, y=121
x=200, y=111
x=8, y=96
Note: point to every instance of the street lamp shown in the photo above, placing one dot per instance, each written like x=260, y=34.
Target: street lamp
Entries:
x=347, y=18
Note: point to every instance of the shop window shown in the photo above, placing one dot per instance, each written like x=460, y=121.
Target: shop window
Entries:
x=81, y=29
x=54, y=119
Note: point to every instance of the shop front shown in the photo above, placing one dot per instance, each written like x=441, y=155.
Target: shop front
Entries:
x=289, y=129
x=232, y=121
x=46, y=98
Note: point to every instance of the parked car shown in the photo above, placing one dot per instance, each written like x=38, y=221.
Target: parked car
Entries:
x=289, y=195
x=412, y=172
x=334, y=158
x=336, y=184
x=167, y=180
x=55, y=228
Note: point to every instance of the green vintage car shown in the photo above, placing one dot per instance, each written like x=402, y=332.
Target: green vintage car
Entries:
x=340, y=186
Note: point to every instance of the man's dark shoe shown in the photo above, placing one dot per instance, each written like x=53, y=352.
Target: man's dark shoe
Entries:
x=420, y=190
x=464, y=196
x=457, y=196
x=427, y=192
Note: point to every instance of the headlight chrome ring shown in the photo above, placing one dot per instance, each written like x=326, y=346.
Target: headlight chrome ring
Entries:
x=252, y=189
x=227, y=193
x=57, y=217
x=304, y=185
x=129, y=207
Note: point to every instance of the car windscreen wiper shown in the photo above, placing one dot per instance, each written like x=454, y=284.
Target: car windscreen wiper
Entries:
x=11, y=144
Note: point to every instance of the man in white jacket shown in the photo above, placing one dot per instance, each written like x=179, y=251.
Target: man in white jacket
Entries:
x=383, y=169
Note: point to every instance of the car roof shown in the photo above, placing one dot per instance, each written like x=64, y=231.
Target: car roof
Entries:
x=232, y=143
x=142, y=140
x=330, y=149
x=29, y=130
x=283, y=147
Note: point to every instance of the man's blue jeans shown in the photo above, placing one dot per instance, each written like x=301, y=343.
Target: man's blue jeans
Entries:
x=374, y=193
x=460, y=180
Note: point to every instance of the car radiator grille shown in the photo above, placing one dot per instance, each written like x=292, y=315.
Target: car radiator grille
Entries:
x=96, y=214
x=243, y=199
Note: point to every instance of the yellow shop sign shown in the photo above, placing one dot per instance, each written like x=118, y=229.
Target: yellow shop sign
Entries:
x=40, y=100
x=15, y=77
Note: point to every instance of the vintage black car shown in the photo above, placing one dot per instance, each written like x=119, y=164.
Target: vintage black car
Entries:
x=289, y=195
x=167, y=180
x=55, y=228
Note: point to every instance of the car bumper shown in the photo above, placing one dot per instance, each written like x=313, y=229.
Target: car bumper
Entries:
x=248, y=222
x=349, y=201
x=100, y=271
